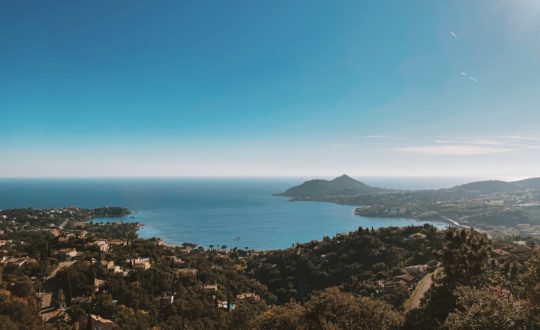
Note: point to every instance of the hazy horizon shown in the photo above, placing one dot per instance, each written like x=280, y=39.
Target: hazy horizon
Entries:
x=391, y=182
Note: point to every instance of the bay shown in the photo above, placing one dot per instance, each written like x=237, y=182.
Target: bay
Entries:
x=207, y=211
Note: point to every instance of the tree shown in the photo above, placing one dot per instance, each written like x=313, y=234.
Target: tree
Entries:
x=487, y=308
x=22, y=288
x=23, y=313
x=332, y=309
x=531, y=281
x=465, y=262
x=61, y=298
x=285, y=317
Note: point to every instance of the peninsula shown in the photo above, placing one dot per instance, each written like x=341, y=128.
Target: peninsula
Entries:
x=499, y=207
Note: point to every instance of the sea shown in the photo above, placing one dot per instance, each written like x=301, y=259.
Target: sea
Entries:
x=235, y=212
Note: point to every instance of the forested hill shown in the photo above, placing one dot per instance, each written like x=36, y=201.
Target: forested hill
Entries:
x=340, y=186
x=345, y=186
x=484, y=203
x=496, y=186
x=89, y=275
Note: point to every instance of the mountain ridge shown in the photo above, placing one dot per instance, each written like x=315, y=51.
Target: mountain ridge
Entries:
x=345, y=185
x=499, y=186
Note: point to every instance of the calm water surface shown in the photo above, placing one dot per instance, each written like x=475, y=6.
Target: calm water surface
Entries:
x=232, y=212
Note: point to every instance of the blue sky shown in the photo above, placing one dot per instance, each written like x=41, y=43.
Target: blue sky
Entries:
x=254, y=88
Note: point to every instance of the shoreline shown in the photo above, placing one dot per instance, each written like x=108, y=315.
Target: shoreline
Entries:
x=145, y=231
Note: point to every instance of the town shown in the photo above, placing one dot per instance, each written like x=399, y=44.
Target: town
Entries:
x=61, y=268
x=80, y=272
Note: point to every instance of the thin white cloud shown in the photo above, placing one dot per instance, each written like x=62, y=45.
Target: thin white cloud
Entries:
x=454, y=150
x=469, y=140
x=464, y=74
x=339, y=145
x=524, y=137
x=375, y=136
x=445, y=141
x=454, y=35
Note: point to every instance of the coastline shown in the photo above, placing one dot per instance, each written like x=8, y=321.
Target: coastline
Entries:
x=147, y=230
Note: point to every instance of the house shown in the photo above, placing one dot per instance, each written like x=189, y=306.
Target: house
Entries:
x=98, y=284
x=82, y=234
x=186, y=271
x=224, y=304
x=103, y=245
x=416, y=270
x=417, y=236
x=405, y=278
x=186, y=248
x=118, y=270
x=499, y=253
x=48, y=311
x=19, y=261
x=107, y=264
x=68, y=253
x=392, y=285
x=45, y=299
x=521, y=249
x=48, y=314
x=53, y=231
x=167, y=300
x=176, y=261
x=248, y=296
x=83, y=300
x=210, y=288
x=99, y=323
x=117, y=242
x=63, y=239
x=140, y=263
x=6, y=242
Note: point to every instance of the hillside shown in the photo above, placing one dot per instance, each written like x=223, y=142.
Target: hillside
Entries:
x=497, y=186
x=489, y=187
x=483, y=203
x=532, y=183
x=340, y=186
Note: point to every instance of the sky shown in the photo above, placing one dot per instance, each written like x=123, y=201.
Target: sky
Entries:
x=270, y=88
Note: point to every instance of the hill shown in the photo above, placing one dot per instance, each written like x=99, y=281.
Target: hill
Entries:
x=532, y=183
x=497, y=186
x=489, y=187
x=340, y=186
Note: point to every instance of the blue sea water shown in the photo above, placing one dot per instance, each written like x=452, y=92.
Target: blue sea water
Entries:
x=232, y=212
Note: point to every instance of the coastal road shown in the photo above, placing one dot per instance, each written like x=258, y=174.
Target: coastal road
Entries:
x=454, y=222
x=63, y=224
x=62, y=265
x=420, y=290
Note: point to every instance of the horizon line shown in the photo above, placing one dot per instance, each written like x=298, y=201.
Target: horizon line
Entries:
x=474, y=177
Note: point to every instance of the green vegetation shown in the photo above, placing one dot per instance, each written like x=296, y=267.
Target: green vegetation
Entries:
x=343, y=186
x=356, y=262
x=331, y=309
x=98, y=274
x=485, y=204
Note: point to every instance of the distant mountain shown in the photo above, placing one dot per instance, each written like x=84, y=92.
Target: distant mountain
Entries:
x=496, y=186
x=340, y=186
x=489, y=187
x=533, y=183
